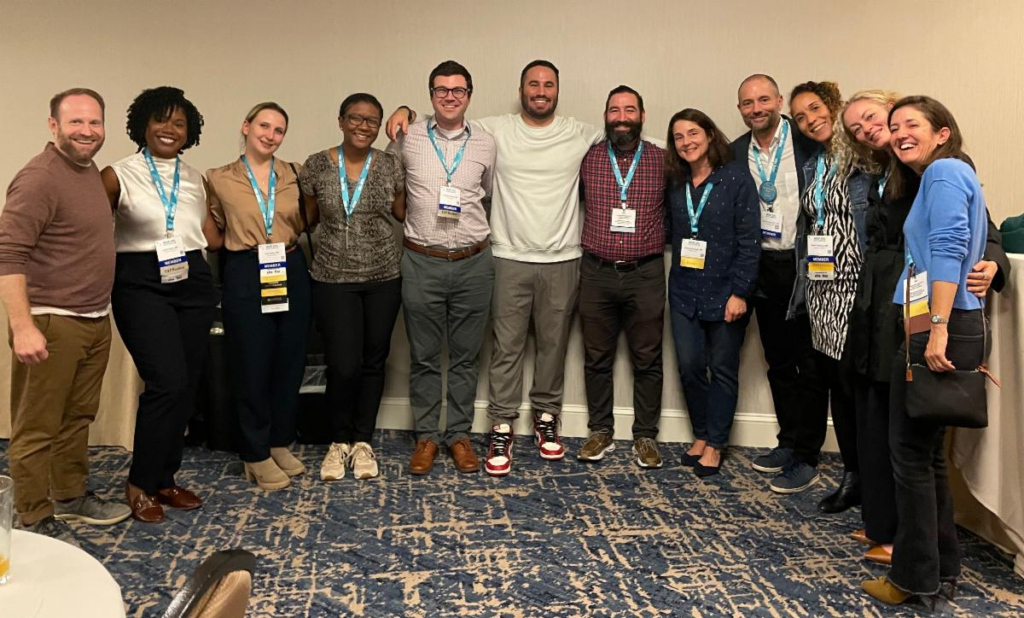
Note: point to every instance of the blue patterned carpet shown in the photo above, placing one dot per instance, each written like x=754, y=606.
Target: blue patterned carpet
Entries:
x=553, y=539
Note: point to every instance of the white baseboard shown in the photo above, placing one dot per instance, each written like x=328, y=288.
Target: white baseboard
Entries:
x=749, y=428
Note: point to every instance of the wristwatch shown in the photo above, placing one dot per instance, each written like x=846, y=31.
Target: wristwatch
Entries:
x=938, y=319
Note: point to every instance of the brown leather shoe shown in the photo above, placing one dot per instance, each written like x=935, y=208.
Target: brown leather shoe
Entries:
x=144, y=507
x=879, y=554
x=463, y=456
x=179, y=498
x=422, y=461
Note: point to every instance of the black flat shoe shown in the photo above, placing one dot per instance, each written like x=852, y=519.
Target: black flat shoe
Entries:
x=703, y=471
x=691, y=460
x=848, y=495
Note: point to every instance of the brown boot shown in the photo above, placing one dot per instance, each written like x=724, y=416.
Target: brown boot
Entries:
x=463, y=456
x=422, y=461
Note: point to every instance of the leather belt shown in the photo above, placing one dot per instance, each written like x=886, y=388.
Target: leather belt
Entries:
x=451, y=256
x=620, y=265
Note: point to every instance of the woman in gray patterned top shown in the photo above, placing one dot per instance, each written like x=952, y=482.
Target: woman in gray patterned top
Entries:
x=357, y=287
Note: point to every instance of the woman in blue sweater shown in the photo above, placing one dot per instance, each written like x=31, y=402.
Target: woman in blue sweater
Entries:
x=945, y=234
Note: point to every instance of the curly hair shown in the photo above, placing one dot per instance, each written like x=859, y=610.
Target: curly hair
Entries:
x=838, y=148
x=828, y=92
x=158, y=104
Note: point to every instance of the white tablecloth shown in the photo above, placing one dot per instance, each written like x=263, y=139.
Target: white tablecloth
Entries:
x=51, y=579
x=991, y=460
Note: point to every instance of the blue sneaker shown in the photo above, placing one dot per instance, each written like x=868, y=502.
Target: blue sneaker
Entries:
x=796, y=478
x=774, y=462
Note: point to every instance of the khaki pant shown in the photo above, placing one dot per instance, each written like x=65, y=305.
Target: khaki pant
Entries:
x=547, y=293
x=52, y=405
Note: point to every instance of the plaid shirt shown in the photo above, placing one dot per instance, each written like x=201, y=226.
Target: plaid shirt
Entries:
x=646, y=195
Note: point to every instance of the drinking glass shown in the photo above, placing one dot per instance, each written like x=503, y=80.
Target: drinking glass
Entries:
x=6, y=522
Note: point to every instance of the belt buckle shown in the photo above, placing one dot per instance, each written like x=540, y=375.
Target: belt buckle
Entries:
x=622, y=266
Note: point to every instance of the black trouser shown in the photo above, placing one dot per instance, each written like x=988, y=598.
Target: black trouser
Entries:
x=266, y=351
x=356, y=321
x=799, y=394
x=877, y=487
x=165, y=329
x=611, y=301
x=926, y=550
x=838, y=377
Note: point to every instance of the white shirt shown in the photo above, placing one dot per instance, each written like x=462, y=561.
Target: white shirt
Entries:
x=786, y=183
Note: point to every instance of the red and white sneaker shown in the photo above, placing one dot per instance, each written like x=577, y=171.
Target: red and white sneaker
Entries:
x=499, y=453
x=545, y=430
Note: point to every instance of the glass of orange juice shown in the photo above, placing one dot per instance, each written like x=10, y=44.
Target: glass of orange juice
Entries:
x=6, y=521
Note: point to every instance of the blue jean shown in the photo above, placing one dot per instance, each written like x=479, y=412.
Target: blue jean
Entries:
x=708, y=354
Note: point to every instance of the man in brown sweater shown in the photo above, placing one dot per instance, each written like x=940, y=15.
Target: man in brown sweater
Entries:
x=56, y=273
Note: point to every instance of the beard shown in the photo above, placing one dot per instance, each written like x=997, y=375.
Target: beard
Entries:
x=623, y=139
x=524, y=101
x=72, y=149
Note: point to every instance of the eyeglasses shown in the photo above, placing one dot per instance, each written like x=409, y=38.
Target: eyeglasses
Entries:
x=442, y=92
x=354, y=121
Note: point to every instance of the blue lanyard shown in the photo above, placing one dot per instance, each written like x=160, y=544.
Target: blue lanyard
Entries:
x=266, y=207
x=624, y=183
x=776, y=163
x=170, y=204
x=440, y=155
x=910, y=261
x=819, y=190
x=695, y=216
x=882, y=182
x=351, y=202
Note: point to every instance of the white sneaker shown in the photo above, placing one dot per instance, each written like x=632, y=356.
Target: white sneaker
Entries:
x=333, y=467
x=363, y=461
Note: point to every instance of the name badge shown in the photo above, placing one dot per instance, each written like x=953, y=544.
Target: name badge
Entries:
x=170, y=256
x=273, y=278
x=449, y=205
x=916, y=315
x=624, y=220
x=692, y=253
x=771, y=224
x=821, y=259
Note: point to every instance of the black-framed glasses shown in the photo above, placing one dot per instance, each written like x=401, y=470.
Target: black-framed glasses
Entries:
x=354, y=120
x=442, y=92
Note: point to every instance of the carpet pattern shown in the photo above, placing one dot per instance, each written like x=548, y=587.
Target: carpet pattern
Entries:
x=553, y=539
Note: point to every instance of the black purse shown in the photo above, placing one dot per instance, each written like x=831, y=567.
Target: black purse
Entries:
x=949, y=398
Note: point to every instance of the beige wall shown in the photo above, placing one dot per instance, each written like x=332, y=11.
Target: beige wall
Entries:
x=308, y=55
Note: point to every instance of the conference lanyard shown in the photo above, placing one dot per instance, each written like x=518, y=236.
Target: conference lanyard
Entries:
x=695, y=215
x=768, y=192
x=882, y=182
x=266, y=206
x=450, y=171
x=819, y=190
x=350, y=202
x=625, y=182
x=171, y=203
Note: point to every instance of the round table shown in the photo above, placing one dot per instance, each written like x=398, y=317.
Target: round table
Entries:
x=50, y=578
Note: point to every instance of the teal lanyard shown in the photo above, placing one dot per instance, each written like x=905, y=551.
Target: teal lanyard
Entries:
x=819, y=190
x=450, y=171
x=266, y=206
x=625, y=182
x=351, y=202
x=170, y=203
x=695, y=215
x=882, y=182
x=770, y=191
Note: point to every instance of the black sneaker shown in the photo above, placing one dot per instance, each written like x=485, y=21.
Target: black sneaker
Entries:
x=774, y=462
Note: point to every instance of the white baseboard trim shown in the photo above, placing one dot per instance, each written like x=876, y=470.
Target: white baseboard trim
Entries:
x=749, y=428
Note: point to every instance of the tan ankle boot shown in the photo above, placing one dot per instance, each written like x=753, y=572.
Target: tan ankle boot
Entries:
x=288, y=463
x=268, y=476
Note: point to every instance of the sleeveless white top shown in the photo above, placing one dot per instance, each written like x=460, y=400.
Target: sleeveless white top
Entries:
x=139, y=221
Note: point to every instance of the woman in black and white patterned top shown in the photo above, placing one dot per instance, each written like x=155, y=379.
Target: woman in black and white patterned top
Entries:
x=357, y=285
x=835, y=200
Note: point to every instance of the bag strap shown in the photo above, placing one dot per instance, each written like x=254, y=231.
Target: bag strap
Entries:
x=906, y=320
x=302, y=211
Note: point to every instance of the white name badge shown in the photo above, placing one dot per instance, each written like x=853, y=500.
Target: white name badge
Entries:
x=918, y=294
x=821, y=259
x=273, y=278
x=624, y=220
x=692, y=253
x=170, y=256
x=449, y=205
x=771, y=224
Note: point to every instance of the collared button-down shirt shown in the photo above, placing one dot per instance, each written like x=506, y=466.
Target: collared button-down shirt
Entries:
x=646, y=195
x=425, y=175
x=731, y=225
x=787, y=183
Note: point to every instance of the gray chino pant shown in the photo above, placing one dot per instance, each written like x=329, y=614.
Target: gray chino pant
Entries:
x=445, y=303
x=547, y=293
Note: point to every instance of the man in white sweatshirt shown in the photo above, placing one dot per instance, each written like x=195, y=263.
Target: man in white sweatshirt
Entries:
x=535, y=236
